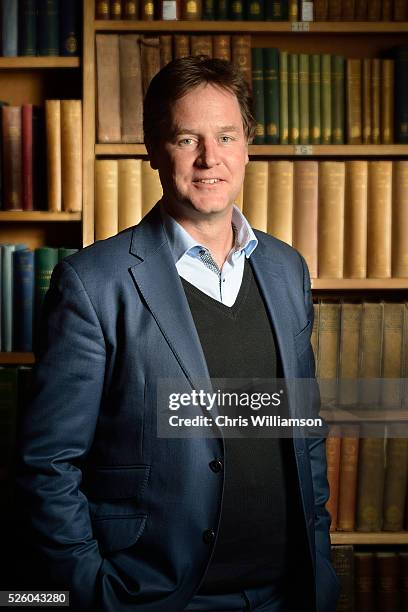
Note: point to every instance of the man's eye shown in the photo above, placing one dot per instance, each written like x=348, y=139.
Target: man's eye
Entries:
x=186, y=141
x=226, y=138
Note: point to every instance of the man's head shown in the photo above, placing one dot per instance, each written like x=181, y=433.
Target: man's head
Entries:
x=197, y=123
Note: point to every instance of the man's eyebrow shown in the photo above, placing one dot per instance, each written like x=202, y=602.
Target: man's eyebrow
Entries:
x=177, y=130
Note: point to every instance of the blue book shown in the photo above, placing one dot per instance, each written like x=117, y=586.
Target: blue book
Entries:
x=7, y=294
x=9, y=21
x=23, y=300
x=70, y=23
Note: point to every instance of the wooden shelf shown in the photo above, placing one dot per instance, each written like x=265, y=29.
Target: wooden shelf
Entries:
x=39, y=62
x=382, y=537
x=298, y=151
x=38, y=215
x=255, y=27
x=360, y=284
x=17, y=358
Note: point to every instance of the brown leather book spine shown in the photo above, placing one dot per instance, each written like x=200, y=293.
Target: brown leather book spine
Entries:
x=293, y=10
x=348, y=10
x=379, y=219
x=348, y=478
x=342, y=558
x=331, y=219
x=191, y=10
x=131, y=95
x=27, y=155
x=366, y=100
x=147, y=10
x=241, y=55
x=375, y=101
x=370, y=356
x=334, y=10
x=222, y=47
x=53, y=135
x=201, y=45
x=106, y=198
x=333, y=445
x=108, y=87
x=361, y=10
x=71, y=155
x=129, y=192
x=364, y=593
x=102, y=9
x=400, y=10
x=386, y=10
x=374, y=10
x=350, y=324
x=321, y=10
x=387, y=101
x=355, y=225
x=150, y=59
x=395, y=483
x=371, y=471
x=403, y=565
x=12, y=158
x=400, y=219
x=181, y=46
x=280, y=199
x=354, y=101
x=392, y=357
x=328, y=346
x=166, y=49
x=116, y=9
x=130, y=9
x=305, y=204
x=387, y=570
x=256, y=194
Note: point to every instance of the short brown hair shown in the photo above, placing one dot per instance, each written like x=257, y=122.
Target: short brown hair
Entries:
x=182, y=75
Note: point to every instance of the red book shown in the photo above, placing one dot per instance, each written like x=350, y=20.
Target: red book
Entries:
x=27, y=154
x=12, y=158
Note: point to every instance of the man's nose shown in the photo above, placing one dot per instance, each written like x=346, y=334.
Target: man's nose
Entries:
x=208, y=154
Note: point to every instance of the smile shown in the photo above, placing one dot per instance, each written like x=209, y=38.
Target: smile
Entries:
x=208, y=181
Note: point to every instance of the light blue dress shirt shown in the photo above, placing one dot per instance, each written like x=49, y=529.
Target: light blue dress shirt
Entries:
x=195, y=264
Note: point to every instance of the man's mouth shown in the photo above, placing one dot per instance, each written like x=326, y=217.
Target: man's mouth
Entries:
x=209, y=181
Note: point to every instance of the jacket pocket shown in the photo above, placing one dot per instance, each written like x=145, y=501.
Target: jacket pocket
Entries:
x=116, y=482
x=118, y=532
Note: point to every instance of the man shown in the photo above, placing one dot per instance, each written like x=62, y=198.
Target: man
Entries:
x=128, y=520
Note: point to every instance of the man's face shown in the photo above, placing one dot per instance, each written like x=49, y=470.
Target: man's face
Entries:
x=202, y=158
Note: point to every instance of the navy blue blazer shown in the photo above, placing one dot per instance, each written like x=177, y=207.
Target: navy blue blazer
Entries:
x=118, y=513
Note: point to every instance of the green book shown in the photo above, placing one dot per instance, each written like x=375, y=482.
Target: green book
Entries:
x=338, y=101
x=48, y=27
x=304, y=136
x=258, y=94
x=401, y=97
x=283, y=98
x=325, y=99
x=293, y=90
x=208, y=10
x=314, y=102
x=45, y=259
x=27, y=28
x=222, y=10
x=236, y=10
x=276, y=10
x=255, y=10
x=64, y=252
x=271, y=93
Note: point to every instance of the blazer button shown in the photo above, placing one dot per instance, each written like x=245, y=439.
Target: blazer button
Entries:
x=209, y=536
x=216, y=465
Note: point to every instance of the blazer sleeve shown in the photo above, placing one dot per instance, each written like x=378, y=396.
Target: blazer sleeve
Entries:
x=56, y=432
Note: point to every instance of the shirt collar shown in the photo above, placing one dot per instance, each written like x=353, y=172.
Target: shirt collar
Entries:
x=181, y=242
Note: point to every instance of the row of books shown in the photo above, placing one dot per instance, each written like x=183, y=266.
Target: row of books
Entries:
x=41, y=151
x=40, y=27
x=254, y=10
x=348, y=219
x=357, y=340
x=367, y=478
x=207, y=10
x=25, y=279
x=375, y=581
x=328, y=99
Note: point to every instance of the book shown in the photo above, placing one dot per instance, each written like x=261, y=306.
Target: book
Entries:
x=222, y=10
x=387, y=575
x=283, y=98
x=304, y=117
x=241, y=54
x=106, y=198
x=392, y=356
x=395, y=485
x=328, y=351
x=150, y=59
x=70, y=27
x=191, y=10
x=337, y=75
x=271, y=95
x=387, y=10
x=201, y=45
x=321, y=10
x=334, y=10
x=364, y=579
x=71, y=155
x=108, y=88
x=374, y=10
x=361, y=10
x=355, y=223
x=293, y=102
x=400, y=219
x=366, y=100
x=348, y=478
x=293, y=10
x=27, y=34
x=208, y=10
x=131, y=94
x=147, y=10
x=387, y=101
x=53, y=132
x=256, y=194
x=166, y=50
x=350, y=323
x=325, y=98
x=305, y=209
x=152, y=190
x=116, y=9
x=236, y=10
x=353, y=101
x=181, y=46
x=331, y=219
x=102, y=9
x=9, y=28
x=255, y=10
x=130, y=10
x=222, y=47
x=370, y=357
x=45, y=259
x=280, y=199
x=258, y=94
x=379, y=219
x=48, y=27
x=371, y=472
x=375, y=101
x=401, y=99
x=400, y=10
x=12, y=158
x=129, y=192
x=347, y=10
x=342, y=557
x=27, y=156
x=276, y=10
x=333, y=444
x=23, y=300
x=314, y=105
